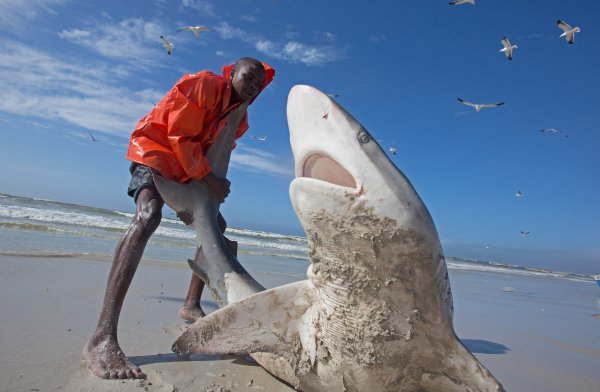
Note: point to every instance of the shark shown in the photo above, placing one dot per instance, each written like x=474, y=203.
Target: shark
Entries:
x=375, y=312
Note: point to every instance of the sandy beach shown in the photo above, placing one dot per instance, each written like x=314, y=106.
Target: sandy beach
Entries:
x=534, y=334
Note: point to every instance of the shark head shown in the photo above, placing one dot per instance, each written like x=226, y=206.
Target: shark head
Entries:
x=337, y=158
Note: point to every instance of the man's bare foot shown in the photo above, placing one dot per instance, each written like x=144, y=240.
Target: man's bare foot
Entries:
x=191, y=313
x=105, y=359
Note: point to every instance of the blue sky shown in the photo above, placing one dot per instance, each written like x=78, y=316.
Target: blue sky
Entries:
x=398, y=67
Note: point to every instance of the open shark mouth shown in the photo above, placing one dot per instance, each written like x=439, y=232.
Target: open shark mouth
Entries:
x=321, y=167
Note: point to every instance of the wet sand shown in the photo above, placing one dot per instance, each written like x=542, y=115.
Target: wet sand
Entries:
x=534, y=334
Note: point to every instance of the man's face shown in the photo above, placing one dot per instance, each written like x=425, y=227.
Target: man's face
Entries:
x=247, y=81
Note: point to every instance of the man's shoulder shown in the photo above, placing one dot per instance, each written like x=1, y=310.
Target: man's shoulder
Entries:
x=202, y=86
x=205, y=77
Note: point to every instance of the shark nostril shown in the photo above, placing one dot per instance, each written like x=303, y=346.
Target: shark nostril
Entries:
x=321, y=167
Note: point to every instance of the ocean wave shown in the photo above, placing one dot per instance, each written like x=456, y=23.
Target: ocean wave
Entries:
x=126, y=214
x=490, y=266
x=264, y=234
x=119, y=224
x=56, y=217
x=64, y=217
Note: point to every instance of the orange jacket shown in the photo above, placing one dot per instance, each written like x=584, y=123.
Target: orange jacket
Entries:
x=174, y=137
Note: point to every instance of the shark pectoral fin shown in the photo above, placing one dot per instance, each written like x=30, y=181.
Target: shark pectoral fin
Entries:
x=272, y=321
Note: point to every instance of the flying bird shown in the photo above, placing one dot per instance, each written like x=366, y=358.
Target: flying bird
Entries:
x=167, y=45
x=524, y=233
x=479, y=106
x=519, y=194
x=553, y=131
x=459, y=2
x=508, y=48
x=261, y=138
x=393, y=150
x=568, y=31
x=549, y=130
x=195, y=29
x=93, y=138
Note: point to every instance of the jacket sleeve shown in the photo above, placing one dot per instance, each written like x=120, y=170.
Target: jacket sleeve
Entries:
x=186, y=121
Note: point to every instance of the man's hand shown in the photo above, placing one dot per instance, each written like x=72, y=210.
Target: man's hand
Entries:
x=186, y=217
x=218, y=187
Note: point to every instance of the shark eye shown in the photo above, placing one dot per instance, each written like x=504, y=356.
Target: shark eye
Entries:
x=363, y=136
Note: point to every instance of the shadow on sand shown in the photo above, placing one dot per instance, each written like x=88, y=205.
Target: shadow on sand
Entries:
x=141, y=360
x=478, y=346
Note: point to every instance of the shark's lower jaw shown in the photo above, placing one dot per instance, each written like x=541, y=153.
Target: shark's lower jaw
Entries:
x=321, y=167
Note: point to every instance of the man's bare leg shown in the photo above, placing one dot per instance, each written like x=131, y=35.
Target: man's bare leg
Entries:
x=191, y=309
x=102, y=354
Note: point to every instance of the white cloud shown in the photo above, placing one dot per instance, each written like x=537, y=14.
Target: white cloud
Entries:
x=249, y=18
x=16, y=15
x=204, y=7
x=134, y=40
x=38, y=84
x=378, y=37
x=227, y=31
x=257, y=160
x=292, y=51
x=85, y=96
x=221, y=53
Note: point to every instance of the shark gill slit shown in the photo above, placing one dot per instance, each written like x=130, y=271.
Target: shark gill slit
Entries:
x=321, y=167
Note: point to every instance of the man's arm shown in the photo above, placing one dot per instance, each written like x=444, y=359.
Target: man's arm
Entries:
x=190, y=116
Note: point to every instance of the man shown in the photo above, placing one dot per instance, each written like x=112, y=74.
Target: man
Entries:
x=172, y=141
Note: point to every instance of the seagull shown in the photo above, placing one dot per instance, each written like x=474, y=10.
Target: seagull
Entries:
x=167, y=45
x=519, y=194
x=459, y=2
x=549, y=130
x=195, y=29
x=553, y=131
x=568, y=31
x=93, y=138
x=508, y=48
x=393, y=150
x=479, y=106
x=524, y=233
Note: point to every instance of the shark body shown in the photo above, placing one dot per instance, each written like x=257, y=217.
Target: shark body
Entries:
x=375, y=312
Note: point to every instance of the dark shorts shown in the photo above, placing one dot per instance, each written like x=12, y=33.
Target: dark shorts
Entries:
x=141, y=177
